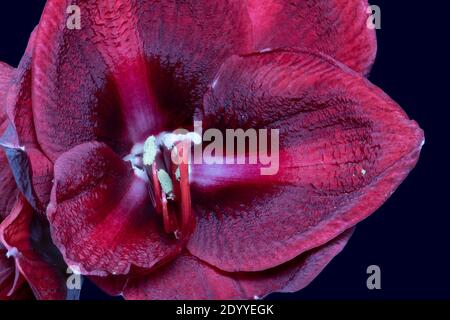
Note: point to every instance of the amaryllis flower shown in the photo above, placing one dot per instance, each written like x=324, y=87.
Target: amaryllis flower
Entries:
x=90, y=111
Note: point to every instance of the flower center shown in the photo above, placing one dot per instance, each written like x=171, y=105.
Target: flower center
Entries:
x=163, y=161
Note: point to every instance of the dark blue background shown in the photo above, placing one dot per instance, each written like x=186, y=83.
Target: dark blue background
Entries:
x=409, y=236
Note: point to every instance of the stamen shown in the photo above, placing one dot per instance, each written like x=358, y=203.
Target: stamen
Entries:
x=168, y=179
x=166, y=183
x=150, y=150
x=155, y=188
x=177, y=174
x=169, y=221
x=171, y=139
x=186, y=210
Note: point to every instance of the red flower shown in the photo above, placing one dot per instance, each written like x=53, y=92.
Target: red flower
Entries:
x=82, y=103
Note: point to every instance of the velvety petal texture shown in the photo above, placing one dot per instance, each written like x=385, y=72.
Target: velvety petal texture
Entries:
x=342, y=29
x=189, y=278
x=9, y=282
x=32, y=171
x=6, y=73
x=345, y=146
x=28, y=244
x=101, y=215
x=8, y=189
x=135, y=67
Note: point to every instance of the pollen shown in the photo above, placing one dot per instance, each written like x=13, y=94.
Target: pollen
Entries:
x=150, y=150
x=170, y=139
x=166, y=183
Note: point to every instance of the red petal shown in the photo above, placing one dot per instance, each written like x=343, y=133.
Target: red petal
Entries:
x=345, y=146
x=32, y=170
x=7, y=272
x=12, y=284
x=338, y=28
x=189, y=278
x=23, y=235
x=101, y=215
x=18, y=100
x=8, y=188
x=6, y=73
x=130, y=69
